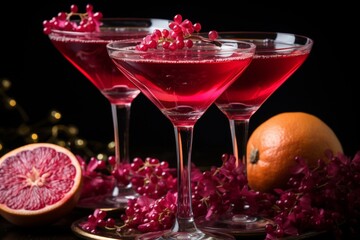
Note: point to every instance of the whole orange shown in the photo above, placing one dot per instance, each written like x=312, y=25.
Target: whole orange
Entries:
x=274, y=145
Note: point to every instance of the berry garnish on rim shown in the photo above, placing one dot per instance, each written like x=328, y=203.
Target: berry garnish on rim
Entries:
x=85, y=22
x=180, y=35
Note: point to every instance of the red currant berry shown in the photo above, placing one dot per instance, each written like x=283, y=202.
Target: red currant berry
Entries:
x=213, y=35
x=197, y=27
x=89, y=8
x=178, y=18
x=74, y=8
x=112, y=160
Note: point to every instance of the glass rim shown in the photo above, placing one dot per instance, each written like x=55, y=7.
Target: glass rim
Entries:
x=199, y=47
x=153, y=25
x=298, y=41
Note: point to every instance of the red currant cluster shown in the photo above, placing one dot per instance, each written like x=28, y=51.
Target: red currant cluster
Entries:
x=148, y=177
x=143, y=214
x=152, y=178
x=147, y=215
x=89, y=21
x=179, y=36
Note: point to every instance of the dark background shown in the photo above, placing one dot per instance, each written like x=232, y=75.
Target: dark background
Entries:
x=325, y=85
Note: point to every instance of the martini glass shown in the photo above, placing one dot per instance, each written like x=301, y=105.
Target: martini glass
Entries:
x=183, y=84
x=277, y=57
x=87, y=52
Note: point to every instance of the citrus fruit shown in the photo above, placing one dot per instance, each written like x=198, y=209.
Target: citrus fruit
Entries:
x=39, y=184
x=274, y=145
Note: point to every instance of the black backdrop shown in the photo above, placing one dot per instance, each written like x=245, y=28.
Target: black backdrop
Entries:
x=325, y=85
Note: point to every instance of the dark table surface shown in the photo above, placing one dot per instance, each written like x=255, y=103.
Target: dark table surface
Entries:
x=62, y=230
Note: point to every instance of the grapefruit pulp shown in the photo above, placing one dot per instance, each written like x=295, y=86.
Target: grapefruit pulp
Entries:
x=39, y=184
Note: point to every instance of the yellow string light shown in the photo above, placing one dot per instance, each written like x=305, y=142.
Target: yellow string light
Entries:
x=72, y=130
x=34, y=137
x=61, y=143
x=23, y=130
x=6, y=84
x=12, y=102
x=79, y=142
x=101, y=156
x=54, y=131
x=63, y=135
x=111, y=145
x=56, y=115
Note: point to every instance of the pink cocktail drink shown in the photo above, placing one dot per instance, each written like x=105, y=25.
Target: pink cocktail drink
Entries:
x=183, y=83
x=186, y=88
x=87, y=52
x=264, y=76
x=277, y=57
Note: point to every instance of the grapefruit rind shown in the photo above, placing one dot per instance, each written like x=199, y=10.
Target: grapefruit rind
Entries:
x=48, y=212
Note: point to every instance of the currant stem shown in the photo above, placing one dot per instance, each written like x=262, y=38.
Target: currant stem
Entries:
x=203, y=39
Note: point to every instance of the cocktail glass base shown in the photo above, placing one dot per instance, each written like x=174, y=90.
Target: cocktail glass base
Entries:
x=237, y=224
x=196, y=235
x=118, y=200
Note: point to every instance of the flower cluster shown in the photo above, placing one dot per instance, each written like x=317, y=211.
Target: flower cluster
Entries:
x=324, y=198
x=319, y=199
x=150, y=177
x=96, y=179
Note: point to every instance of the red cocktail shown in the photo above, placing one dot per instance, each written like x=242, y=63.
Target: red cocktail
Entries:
x=187, y=88
x=183, y=83
x=277, y=57
x=272, y=65
x=87, y=52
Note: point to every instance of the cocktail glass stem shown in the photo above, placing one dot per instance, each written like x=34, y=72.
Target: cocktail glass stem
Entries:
x=184, y=226
x=239, y=134
x=121, y=121
x=184, y=218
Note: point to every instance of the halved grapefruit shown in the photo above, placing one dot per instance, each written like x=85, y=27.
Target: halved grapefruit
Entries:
x=39, y=184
